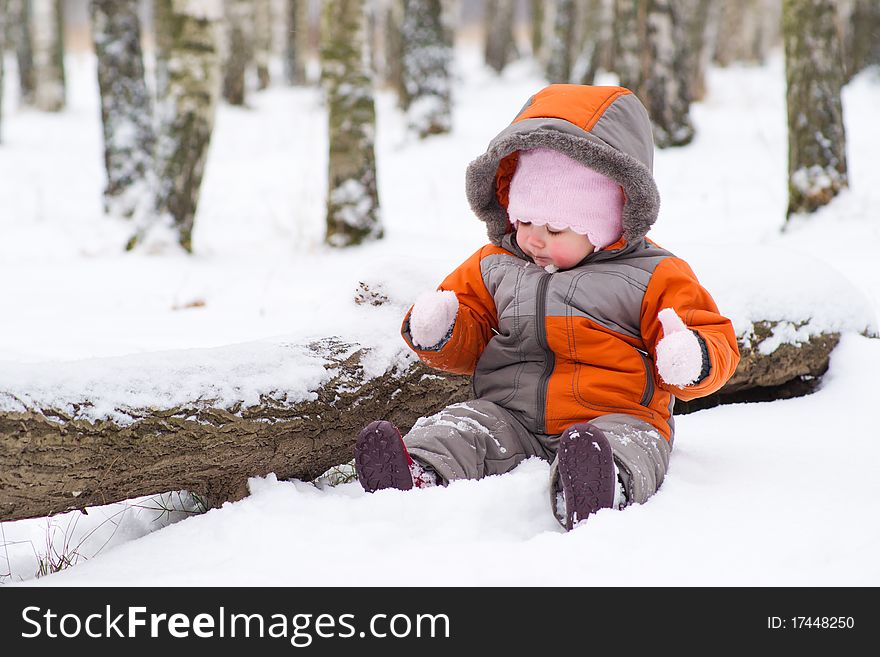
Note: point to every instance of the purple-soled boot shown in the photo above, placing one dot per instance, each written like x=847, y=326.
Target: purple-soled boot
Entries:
x=381, y=459
x=586, y=471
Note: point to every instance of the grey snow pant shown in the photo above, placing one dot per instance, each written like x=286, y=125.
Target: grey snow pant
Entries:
x=477, y=438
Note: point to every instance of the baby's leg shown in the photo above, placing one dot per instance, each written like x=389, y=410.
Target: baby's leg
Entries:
x=471, y=440
x=640, y=453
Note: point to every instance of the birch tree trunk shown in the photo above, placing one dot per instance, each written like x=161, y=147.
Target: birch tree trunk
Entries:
x=393, y=70
x=48, y=44
x=500, y=43
x=591, y=36
x=352, y=194
x=666, y=77
x=296, y=43
x=536, y=14
x=427, y=56
x=20, y=13
x=238, y=48
x=187, y=90
x=126, y=111
x=3, y=23
x=814, y=73
x=561, y=46
x=262, y=41
x=629, y=39
x=701, y=21
x=862, y=31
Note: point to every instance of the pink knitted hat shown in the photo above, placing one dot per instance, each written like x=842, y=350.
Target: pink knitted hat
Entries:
x=551, y=188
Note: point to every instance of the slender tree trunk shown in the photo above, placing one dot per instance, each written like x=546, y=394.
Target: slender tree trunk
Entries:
x=629, y=41
x=238, y=49
x=701, y=20
x=187, y=89
x=536, y=10
x=862, y=32
x=296, y=43
x=126, y=111
x=20, y=13
x=262, y=41
x=3, y=24
x=393, y=71
x=48, y=44
x=814, y=73
x=352, y=194
x=666, y=77
x=498, y=27
x=561, y=46
x=590, y=38
x=427, y=56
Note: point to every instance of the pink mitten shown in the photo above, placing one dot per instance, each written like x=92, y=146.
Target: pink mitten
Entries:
x=679, y=355
x=432, y=316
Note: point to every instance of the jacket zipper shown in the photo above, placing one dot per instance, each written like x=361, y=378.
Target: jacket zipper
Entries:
x=648, y=395
x=541, y=326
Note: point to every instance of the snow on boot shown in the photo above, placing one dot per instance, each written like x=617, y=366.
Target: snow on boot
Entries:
x=381, y=459
x=586, y=470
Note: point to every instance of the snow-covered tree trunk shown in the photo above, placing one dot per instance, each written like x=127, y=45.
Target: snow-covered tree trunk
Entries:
x=53, y=461
x=20, y=30
x=4, y=20
x=666, y=76
x=629, y=41
x=48, y=43
x=187, y=90
x=591, y=35
x=814, y=73
x=262, y=41
x=701, y=21
x=238, y=49
x=561, y=46
x=427, y=57
x=296, y=41
x=126, y=110
x=393, y=69
x=352, y=194
x=500, y=43
x=862, y=34
x=536, y=15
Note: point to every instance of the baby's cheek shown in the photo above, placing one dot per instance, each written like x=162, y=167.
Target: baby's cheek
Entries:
x=564, y=255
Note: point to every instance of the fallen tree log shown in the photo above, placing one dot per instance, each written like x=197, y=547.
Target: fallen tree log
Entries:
x=52, y=461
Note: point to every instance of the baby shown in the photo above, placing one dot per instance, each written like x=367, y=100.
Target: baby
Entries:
x=579, y=332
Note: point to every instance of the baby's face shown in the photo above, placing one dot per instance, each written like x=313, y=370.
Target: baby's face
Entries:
x=564, y=249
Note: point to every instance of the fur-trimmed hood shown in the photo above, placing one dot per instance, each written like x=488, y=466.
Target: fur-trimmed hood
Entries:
x=604, y=128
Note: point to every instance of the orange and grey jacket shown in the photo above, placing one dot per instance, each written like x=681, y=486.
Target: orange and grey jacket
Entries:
x=556, y=349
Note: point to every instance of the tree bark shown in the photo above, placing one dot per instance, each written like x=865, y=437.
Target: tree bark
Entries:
x=500, y=43
x=590, y=39
x=21, y=20
x=48, y=44
x=52, y=461
x=862, y=36
x=352, y=195
x=666, y=76
x=126, y=110
x=536, y=10
x=262, y=41
x=296, y=42
x=238, y=49
x=427, y=56
x=561, y=46
x=817, y=169
x=630, y=25
x=187, y=89
x=4, y=21
x=393, y=69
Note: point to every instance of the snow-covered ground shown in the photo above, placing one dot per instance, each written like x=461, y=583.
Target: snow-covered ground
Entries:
x=777, y=493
